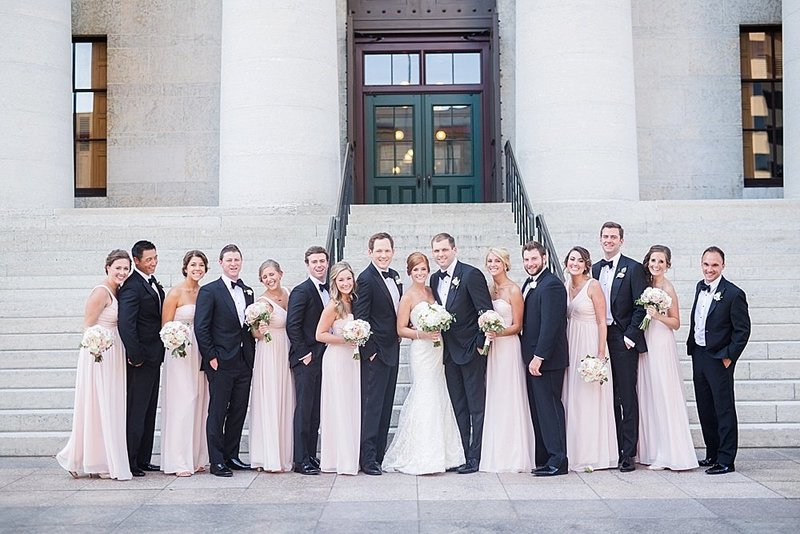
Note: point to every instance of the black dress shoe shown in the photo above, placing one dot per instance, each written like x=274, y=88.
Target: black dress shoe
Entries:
x=707, y=462
x=135, y=471
x=314, y=461
x=720, y=469
x=372, y=469
x=470, y=467
x=221, y=470
x=149, y=467
x=627, y=465
x=550, y=471
x=237, y=465
x=306, y=468
x=454, y=469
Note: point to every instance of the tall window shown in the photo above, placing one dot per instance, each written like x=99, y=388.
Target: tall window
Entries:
x=89, y=86
x=762, y=105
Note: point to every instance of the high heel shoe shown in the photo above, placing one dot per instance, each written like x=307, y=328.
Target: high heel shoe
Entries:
x=183, y=474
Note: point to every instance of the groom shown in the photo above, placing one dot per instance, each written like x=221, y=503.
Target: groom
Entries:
x=378, y=296
x=462, y=290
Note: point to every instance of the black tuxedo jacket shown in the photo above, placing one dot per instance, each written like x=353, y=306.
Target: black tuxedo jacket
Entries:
x=302, y=316
x=727, y=322
x=139, y=320
x=216, y=325
x=544, y=323
x=466, y=300
x=629, y=283
x=373, y=303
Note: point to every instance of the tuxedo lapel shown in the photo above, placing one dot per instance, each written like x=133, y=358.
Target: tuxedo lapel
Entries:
x=622, y=268
x=379, y=281
x=721, y=291
x=694, y=307
x=149, y=289
x=228, y=298
x=451, y=293
x=434, y=283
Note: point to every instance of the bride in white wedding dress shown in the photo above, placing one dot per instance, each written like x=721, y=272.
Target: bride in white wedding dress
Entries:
x=427, y=439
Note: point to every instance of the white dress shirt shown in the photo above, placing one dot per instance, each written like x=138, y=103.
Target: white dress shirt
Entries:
x=323, y=294
x=238, y=297
x=391, y=285
x=530, y=285
x=444, y=283
x=147, y=281
x=704, y=300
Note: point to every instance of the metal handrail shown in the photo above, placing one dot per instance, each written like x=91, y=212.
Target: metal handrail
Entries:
x=337, y=227
x=530, y=226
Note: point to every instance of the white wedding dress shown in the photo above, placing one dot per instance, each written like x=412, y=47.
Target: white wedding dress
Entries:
x=427, y=439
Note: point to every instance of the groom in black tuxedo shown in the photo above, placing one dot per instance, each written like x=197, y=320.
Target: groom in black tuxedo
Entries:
x=719, y=331
x=306, y=302
x=623, y=281
x=228, y=351
x=544, y=350
x=462, y=290
x=140, y=300
x=377, y=298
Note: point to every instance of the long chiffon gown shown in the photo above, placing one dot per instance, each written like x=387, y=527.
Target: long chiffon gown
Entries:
x=589, y=407
x=340, y=407
x=272, y=399
x=427, y=439
x=97, y=442
x=664, y=437
x=184, y=406
x=508, y=441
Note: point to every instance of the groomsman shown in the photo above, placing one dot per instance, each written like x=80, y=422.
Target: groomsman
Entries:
x=545, y=353
x=228, y=351
x=462, y=290
x=306, y=302
x=377, y=299
x=720, y=328
x=623, y=281
x=140, y=300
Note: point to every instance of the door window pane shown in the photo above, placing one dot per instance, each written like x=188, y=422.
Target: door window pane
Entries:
x=391, y=69
x=394, y=140
x=449, y=69
x=452, y=140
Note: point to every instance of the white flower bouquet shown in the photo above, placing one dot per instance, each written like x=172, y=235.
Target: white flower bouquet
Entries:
x=97, y=339
x=490, y=321
x=358, y=332
x=255, y=314
x=176, y=337
x=658, y=298
x=435, y=318
x=593, y=369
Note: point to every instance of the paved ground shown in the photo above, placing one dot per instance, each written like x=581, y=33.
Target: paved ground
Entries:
x=762, y=496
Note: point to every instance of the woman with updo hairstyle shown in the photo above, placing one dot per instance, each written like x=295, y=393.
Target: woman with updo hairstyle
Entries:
x=665, y=441
x=184, y=399
x=340, y=400
x=427, y=439
x=272, y=391
x=508, y=439
x=97, y=445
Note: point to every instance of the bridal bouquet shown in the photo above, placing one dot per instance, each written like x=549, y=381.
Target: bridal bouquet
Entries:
x=658, y=298
x=593, y=369
x=357, y=332
x=176, y=337
x=490, y=321
x=255, y=314
x=97, y=339
x=435, y=318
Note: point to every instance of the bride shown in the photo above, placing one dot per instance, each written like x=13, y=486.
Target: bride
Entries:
x=427, y=439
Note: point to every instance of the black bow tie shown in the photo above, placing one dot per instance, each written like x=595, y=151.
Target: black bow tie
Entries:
x=442, y=275
x=152, y=281
x=704, y=287
x=386, y=274
x=606, y=263
x=237, y=283
x=323, y=287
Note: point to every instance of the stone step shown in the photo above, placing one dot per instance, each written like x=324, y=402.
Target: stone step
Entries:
x=759, y=412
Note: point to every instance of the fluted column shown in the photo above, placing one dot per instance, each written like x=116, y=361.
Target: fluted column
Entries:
x=575, y=102
x=279, y=103
x=36, y=168
x=791, y=99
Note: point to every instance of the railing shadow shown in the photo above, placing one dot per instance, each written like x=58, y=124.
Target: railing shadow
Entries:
x=337, y=227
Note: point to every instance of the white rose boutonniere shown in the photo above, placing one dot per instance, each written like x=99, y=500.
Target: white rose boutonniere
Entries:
x=621, y=274
x=397, y=281
x=456, y=282
x=249, y=292
x=718, y=296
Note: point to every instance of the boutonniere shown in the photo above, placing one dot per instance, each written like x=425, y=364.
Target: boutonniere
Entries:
x=248, y=292
x=456, y=282
x=621, y=274
x=718, y=296
x=397, y=281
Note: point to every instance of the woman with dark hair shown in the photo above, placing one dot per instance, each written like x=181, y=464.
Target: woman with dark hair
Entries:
x=97, y=444
x=665, y=441
x=184, y=401
x=589, y=406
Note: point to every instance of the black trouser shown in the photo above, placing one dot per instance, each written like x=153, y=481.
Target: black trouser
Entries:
x=466, y=384
x=307, y=388
x=142, y=385
x=624, y=373
x=229, y=388
x=378, y=382
x=549, y=421
x=716, y=406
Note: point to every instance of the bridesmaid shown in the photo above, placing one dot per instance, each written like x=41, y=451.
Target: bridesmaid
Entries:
x=184, y=403
x=97, y=444
x=340, y=411
x=664, y=438
x=508, y=442
x=272, y=393
x=591, y=431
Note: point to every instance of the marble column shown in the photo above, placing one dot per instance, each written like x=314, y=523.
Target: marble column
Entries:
x=35, y=104
x=279, y=103
x=575, y=102
x=791, y=99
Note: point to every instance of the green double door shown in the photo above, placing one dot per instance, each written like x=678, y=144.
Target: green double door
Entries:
x=423, y=148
